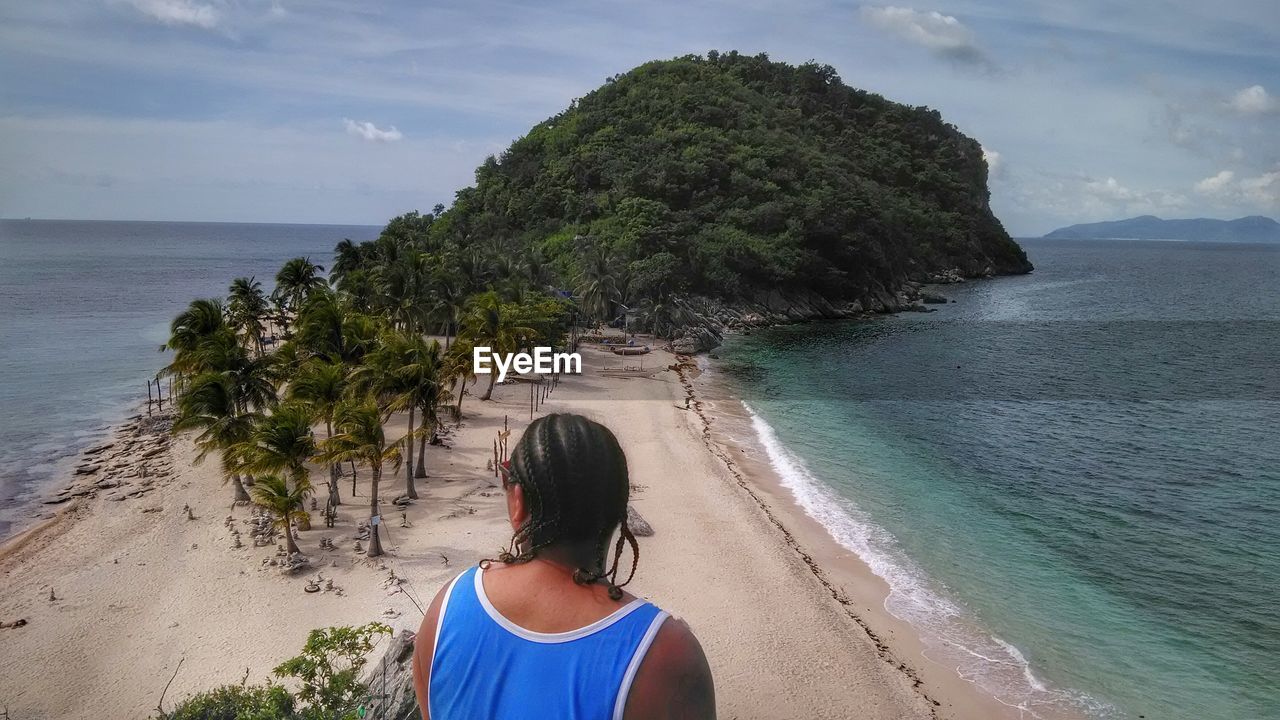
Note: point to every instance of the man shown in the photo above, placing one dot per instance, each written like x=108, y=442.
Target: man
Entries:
x=546, y=631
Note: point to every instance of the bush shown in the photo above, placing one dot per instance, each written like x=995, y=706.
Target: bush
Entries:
x=237, y=702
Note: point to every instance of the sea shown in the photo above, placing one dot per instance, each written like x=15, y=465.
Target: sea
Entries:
x=1070, y=480
x=84, y=309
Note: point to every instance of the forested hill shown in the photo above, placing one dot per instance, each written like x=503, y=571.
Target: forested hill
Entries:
x=1254, y=228
x=728, y=175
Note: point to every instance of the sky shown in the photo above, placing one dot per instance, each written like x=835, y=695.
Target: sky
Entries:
x=341, y=112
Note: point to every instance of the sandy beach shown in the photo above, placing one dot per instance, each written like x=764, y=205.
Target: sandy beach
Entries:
x=116, y=593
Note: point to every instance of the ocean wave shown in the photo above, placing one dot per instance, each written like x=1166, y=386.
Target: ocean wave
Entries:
x=950, y=636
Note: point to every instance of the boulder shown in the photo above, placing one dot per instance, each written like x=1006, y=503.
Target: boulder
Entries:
x=392, y=676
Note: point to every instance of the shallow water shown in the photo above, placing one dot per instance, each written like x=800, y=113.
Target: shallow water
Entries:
x=84, y=307
x=1071, y=479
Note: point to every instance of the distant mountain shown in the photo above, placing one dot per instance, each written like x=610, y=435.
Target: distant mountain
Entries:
x=1254, y=228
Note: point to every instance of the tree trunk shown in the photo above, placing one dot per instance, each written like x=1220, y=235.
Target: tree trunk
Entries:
x=290, y=545
x=335, y=471
x=237, y=487
x=462, y=389
x=421, y=470
x=409, y=489
x=353, y=478
x=493, y=378
x=375, y=545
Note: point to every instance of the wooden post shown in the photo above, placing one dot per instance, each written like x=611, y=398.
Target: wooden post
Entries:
x=495, y=458
x=149, y=397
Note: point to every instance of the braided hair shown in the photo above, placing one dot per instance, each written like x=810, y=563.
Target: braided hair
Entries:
x=574, y=476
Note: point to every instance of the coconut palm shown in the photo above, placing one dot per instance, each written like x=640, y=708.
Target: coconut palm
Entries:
x=458, y=370
x=280, y=443
x=297, y=279
x=284, y=501
x=211, y=406
x=247, y=307
x=190, y=330
x=486, y=325
x=596, y=283
x=360, y=437
x=403, y=374
x=327, y=328
x=321, y=386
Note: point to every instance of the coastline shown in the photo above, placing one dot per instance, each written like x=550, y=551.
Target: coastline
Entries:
x=794, y=627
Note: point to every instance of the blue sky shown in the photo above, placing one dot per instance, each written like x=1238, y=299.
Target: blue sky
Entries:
x=319, y=111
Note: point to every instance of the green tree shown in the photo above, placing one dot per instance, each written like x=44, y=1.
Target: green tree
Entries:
x=297, y=279
x=487, y=325
x=328, y=669
x=360, y=437
x=321, y=385
x=284, y=501
x=211, y=406
x=247, y=308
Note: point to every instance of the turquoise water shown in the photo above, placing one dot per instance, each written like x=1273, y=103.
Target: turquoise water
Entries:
x=84, y=307
x=1070, y=479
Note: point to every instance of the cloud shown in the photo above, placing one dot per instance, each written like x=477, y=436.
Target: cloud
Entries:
x=995, y=165
x=1216, y=184
x=1109, y=189
x=943, y=35
x=371, y=132
x=1263, y=190
x=1252, y=101
x=178, y=12
x=1260, y=191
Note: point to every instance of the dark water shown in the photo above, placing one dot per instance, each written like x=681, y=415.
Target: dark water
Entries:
x=84, y=306
x=1071, y=479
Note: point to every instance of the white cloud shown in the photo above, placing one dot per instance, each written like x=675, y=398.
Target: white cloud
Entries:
x=371, y=132
x=995, y=165
x=1253, y=100
x=1216, y=184
x=1263, y=190
x=1109, y=189
x=178, y=12
x=941, y=34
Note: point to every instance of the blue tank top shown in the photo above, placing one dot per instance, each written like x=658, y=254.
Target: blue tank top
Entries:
x=485, y=666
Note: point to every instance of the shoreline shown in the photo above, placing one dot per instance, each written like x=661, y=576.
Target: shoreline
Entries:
x=142, y=585
x=846, y=576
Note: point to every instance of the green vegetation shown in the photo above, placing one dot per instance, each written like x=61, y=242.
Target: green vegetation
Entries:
x=723, y=176
x=726, y=175
x=326, y=674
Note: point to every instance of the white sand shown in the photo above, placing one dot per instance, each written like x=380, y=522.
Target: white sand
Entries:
x=140, y=591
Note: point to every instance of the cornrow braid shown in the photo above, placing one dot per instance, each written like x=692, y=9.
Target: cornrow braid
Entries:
x=576, y=485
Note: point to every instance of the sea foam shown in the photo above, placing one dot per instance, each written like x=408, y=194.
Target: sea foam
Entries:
x=950, y=636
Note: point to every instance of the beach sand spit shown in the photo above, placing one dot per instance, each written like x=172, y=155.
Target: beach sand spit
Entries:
x=140, y=584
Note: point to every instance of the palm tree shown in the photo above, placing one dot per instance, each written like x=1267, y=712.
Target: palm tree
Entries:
x=458, y=370
x=284, y=501
x=321, y=385
x=211, y=406
x=486, y=325
x=280, y=443
x=403, y=374
x=297, y=279
x=202, y=320
x=246, y=309
x=360, y=437
x=596, y=284
x=327, y=328
x=348, y=257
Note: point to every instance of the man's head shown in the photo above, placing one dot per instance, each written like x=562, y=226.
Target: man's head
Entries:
x=567, y=490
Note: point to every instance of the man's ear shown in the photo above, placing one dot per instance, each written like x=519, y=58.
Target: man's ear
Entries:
x=517, y=510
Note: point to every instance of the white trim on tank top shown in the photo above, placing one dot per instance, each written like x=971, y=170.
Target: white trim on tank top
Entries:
x=540, y=637
x=620, y=705
x=435, y=641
